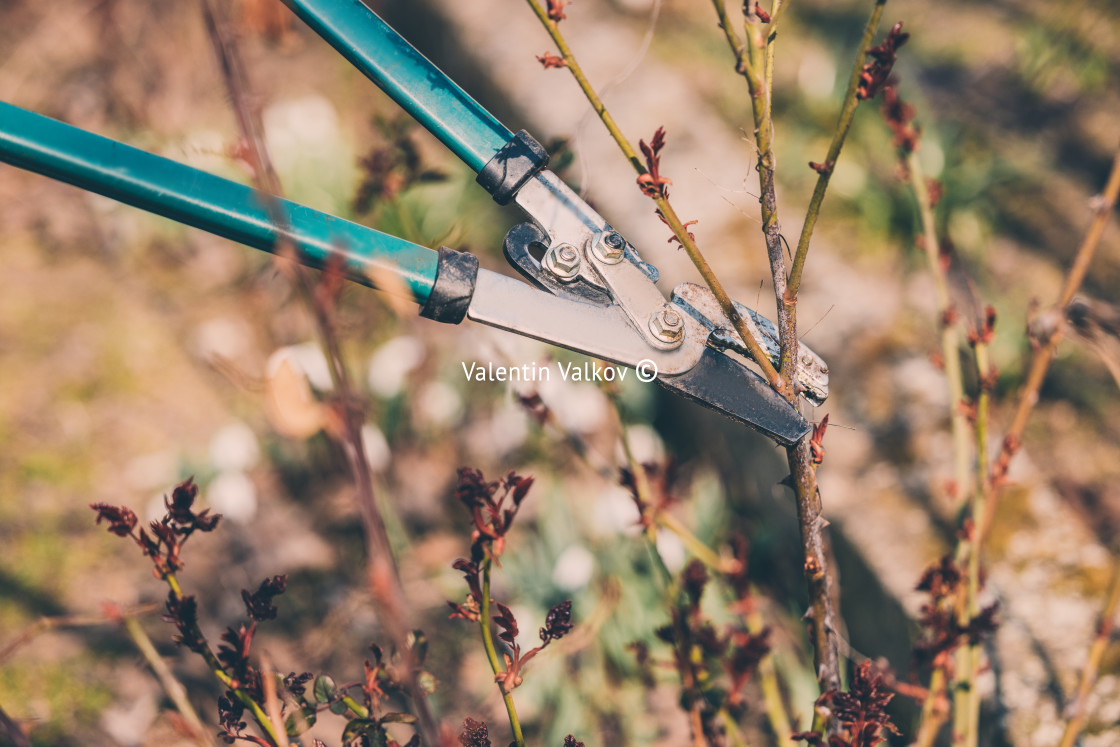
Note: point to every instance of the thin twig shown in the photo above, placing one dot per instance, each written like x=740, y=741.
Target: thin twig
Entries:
x=934, y=711
x=839, y=134
x=12, y=731
x=1076, y=711
x=1044, y=354
x=384, y=575
x=676, y=225
x=950, y=340
x=754, y=61
x=965, y=693
x=167, y=679
x=47, y=624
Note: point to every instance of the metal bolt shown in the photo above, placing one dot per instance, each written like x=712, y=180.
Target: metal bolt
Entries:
x=609, y=247
x=667, y=325
x=563, y=261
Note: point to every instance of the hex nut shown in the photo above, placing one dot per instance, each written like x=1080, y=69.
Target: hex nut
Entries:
x=667, y=325
x=563, y=261
x=609, y=247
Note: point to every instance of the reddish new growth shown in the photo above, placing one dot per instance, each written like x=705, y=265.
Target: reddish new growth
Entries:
x=684, y=225
x=469, y=610
x=548, y=60
x=557, y=624
x=165, y=543
x=861, y=712
x=987, y=331
x=936, y=191
x=824, y=169
x=817, y=442
x=474, y=733
x=878, y=69
x=752, y=8
x=661, y=477
x=899, y=116
x=556, y=10
x=653, y=184
x=493, y=506
x=941, y=631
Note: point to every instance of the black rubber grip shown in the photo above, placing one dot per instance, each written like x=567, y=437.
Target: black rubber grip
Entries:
x=517, y=162
x=451, y=293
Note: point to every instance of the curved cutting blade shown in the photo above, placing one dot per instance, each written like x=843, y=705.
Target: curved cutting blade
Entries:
x=728, y=387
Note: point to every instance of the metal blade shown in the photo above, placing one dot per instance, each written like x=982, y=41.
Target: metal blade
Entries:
x=728, y=387
x=701, y=304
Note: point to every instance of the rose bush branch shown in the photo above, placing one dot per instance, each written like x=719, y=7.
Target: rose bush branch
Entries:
x=652, y=185
x=1047, y=333
x=167, y=679
x=162, y=542
x=1076, y=710
x=824, y=170
x=754, y=60
x=321, y=300
x=969, y=475
x=493, y=506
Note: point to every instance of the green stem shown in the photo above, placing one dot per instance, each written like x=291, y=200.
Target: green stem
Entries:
x=949, y=339
x=359, y=710
x=492, y=653
x=694, y=544
x=933, y=716
x=847, y=113
x=977, y=512
x=171, y=685
x=1096, y=656
x=732, y=729
x=964, y=684
x=768, y=683
x=220, y=673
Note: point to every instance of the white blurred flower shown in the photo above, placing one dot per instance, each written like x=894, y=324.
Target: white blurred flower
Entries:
x=300, y=123
x=644, y=443
x=309, y=356
x=222, y=337
x=234, y=448
x=615, y=512
x=156, y=470
x=376, y=447
x=391, y=363
x=579, y=407
x=233, y=495
x=438, y=405
x=817, y=72
x=671, y=550
x=573, y=568
x=509, y=427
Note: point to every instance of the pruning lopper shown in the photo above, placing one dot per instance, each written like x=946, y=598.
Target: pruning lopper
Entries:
x=589, y=290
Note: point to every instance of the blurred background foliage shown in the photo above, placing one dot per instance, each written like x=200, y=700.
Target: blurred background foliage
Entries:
x=135, y=353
